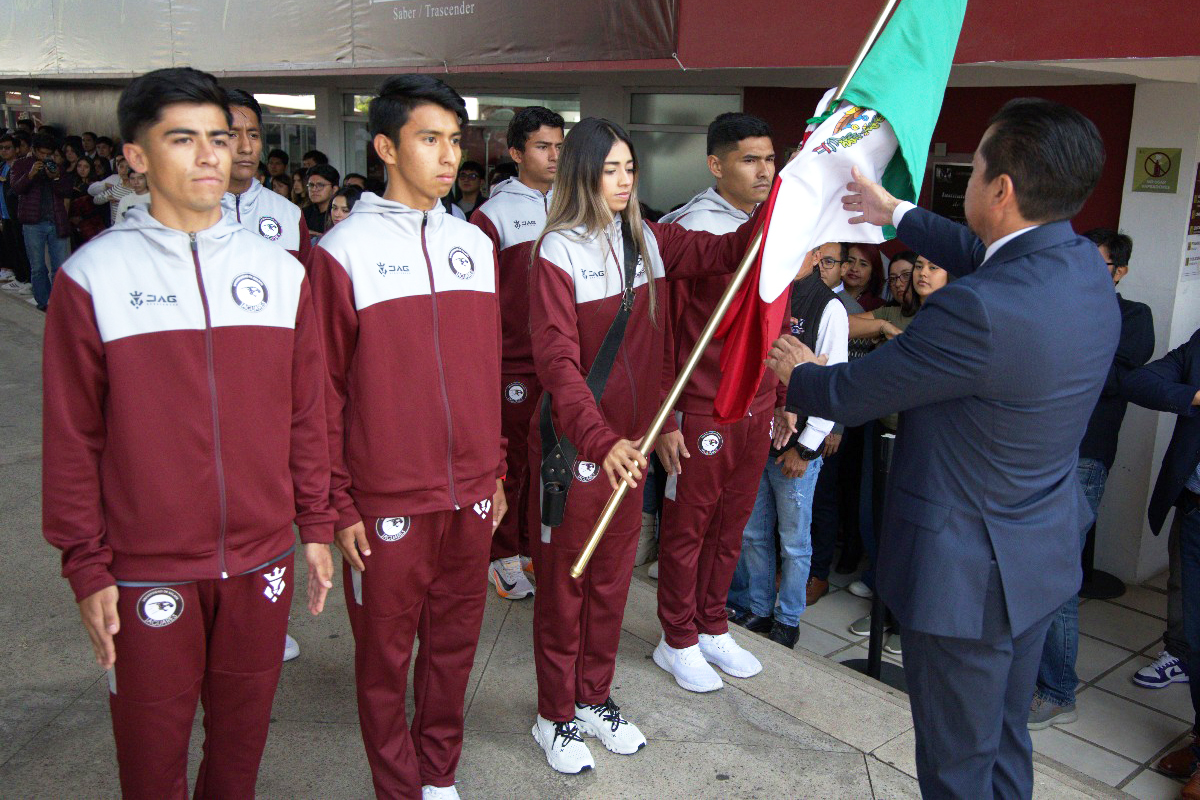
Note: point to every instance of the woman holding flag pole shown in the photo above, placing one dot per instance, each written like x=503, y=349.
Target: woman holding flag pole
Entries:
x=599, y=328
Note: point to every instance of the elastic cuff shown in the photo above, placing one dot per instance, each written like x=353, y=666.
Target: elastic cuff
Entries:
x=320, y=533
x=346, y=517
x=86, y=583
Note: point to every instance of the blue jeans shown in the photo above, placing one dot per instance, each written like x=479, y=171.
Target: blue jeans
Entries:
x=38, y=237
x=1056, y=679
x=788, y=502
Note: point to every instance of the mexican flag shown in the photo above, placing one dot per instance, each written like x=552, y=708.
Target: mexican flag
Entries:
x=883, y=125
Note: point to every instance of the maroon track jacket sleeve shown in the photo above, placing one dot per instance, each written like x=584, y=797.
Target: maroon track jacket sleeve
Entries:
x=74, y=391
x=337, y=316
x=695, y=254
x=309, y=457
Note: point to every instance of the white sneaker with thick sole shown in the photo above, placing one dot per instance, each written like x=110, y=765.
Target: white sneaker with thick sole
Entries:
x=291, y=648
x=7, y=275
x=439, y=793
x=527, y=567
x=860, y=589
x=563, y=744
x=688, y=666
x=653, y=571
x=605, y=722
x=510, y=580
x=729, y=656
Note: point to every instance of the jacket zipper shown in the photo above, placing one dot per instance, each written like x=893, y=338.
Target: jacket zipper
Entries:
x=237, y=205
x=437, y=352
x=212, y=391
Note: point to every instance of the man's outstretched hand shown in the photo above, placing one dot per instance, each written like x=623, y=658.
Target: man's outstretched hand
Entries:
x=787, y=353
x=869, y=200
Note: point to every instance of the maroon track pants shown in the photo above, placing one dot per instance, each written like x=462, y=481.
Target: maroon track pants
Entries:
x=704, y=513
x=520, y=396
x=426, y=577
x=216, y=641
x=577, y=621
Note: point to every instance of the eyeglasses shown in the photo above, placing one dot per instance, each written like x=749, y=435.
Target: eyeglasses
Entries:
x=829, y=262
x=903, y=277
x=310, y=186
x=468, y=175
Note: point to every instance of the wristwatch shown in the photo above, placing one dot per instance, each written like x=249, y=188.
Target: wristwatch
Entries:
x=806, y=454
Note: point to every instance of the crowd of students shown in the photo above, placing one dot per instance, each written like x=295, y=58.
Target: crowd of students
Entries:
x=447, y=384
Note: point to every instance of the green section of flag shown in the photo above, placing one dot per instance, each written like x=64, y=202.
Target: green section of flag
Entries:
x=904, y=78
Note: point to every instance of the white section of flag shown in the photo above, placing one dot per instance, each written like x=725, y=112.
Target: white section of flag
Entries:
x=808, y=208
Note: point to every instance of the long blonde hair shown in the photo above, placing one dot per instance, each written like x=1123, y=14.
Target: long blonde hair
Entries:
x=578, y=202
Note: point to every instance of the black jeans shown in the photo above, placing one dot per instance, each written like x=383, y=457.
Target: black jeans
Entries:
x=12, y=250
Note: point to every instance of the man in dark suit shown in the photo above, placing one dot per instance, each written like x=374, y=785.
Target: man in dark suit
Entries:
x=995, y=380
x=1172, y=384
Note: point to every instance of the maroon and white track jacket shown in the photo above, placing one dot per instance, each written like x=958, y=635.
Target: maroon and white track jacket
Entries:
x=272, y=216
x=693, y=303
x=411, y=323
x=513, y=218
x=576, y=291
x=183, y=408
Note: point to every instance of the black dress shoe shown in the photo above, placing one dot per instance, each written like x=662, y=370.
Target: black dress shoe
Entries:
x=756, y=624
x=735, y=614
x=785, y=635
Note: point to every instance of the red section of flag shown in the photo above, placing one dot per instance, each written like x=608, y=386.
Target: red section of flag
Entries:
x=748, y=329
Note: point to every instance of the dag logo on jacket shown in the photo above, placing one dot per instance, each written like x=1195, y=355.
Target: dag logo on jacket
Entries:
x=249, y=292
x=515, y=392
x=461, y=264
x=392, y=529
x=586, y=471
x=269, y=228
x=710, y=442
x=159, y=607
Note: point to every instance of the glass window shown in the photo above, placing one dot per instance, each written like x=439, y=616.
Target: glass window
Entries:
x=680, y=109
x=356, y=141
x=673, y=167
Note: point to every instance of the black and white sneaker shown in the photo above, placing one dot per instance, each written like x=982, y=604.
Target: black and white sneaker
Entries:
x=563, y=745
x=604, y=721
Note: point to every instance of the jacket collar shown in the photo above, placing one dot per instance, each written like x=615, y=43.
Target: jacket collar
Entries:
x=1051, y=234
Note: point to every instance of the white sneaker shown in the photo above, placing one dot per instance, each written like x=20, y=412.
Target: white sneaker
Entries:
x=860, y=589
x=439, y=793
x=7, y=275
x=605, y=722
x=688, y=666
x=653, y=571
x=291, y=648
x=730, y=656
x=509, y=579
x=527, y=567
x=12, y=287
x=563, y=745
x=23, y=289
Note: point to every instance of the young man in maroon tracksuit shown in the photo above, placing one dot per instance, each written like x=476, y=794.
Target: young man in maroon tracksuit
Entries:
x=184, y=433
x=513, y=218
x=708, y=503
x=408, y=305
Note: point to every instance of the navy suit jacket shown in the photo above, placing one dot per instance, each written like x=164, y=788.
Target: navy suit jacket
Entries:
x=1169, y=384
x=995, y=380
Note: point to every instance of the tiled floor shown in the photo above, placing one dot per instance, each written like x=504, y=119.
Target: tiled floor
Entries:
x=1122, y=729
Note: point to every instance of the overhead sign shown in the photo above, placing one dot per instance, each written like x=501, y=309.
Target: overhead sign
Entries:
x=949, y=190
x=1156, y=169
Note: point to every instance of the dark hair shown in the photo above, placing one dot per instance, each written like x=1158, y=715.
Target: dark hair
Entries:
x=502, y=172
x=728, y=129
x=8, y=138
x=23, y=136
x=101, y=166
x=350, y=175
x=104, y=140
x=27, y=121
x=1120, y=246
x=871, y=251
x=1053, y=154
x=280, y=154
x=327, y=172
x=238, y=97
x=75, y=143
x=317, y=156
x=351, y=193
x=143, y=100
x=903, y=255
x=528, y=120
x=44, y=141
x=400, y=94
x=287, y=180
x=473, y=165
x=88, y=133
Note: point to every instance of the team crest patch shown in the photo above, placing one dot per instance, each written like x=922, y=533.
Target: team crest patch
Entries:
x=461, y=264
x=796, y=326
x=249, y=292
x=275, y=584
x=392, y=529
x=586, y=471
x=158, y=608
x=710, y=442
x=515, y=392
x=269, y=228
x=483, y=507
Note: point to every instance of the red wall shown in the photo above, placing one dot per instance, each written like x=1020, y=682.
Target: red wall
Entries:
x=964, y=118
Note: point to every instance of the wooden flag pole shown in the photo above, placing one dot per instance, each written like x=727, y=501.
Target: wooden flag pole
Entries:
x=710, y=328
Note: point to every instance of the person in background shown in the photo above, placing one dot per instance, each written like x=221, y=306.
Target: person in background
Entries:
x=862, y=275
x=24, y=142
x=112, y=189
x=312, y=158
x=42, y=184
x=277, y=163
x=86, y=218
x=72, y=151
x=104, y=150
x=355, y=179
x=14, y=261
x=139, y=194
x=899, y=280
x=470, y=188
x=299, y=189
x=323, y=180
x=343, y=203
x=101, y=170
x=282, y=185
x=261, y=174
x=88, y=140
x=502, y=172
